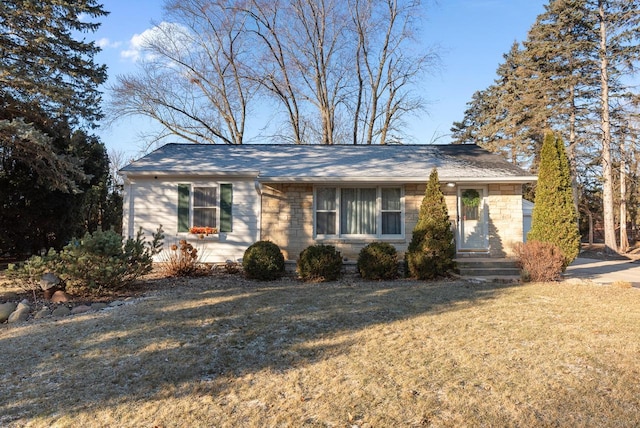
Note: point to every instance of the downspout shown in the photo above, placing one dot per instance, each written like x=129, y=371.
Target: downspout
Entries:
x=258, y=186
x=127, y=205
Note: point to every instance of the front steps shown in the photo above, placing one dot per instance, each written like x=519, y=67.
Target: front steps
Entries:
x=488, y=268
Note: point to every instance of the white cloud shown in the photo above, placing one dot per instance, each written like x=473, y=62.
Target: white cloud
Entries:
x=165, y=30
x=105, y=43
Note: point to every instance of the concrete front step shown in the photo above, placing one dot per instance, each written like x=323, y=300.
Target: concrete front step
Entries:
x=485, y=267
x=489, y=272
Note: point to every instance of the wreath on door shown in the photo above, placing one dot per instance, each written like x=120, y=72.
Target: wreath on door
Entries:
x=471, y=198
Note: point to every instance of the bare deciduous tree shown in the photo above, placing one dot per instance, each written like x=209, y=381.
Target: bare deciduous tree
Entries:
x=319, y=60
x=385, y=72
x=193, y=79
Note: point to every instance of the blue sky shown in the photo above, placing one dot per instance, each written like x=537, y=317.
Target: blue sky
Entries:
x=472, y=36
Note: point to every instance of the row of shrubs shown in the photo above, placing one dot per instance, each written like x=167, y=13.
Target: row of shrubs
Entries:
x=101, y=262
x=538, y=261
x=318, y=263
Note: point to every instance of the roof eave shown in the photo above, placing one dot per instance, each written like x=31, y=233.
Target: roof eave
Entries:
x=187, y=174
x=329, y=180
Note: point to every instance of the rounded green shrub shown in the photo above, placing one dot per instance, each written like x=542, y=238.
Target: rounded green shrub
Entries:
x=378, y=260
x=263, y=261
x=320, y=263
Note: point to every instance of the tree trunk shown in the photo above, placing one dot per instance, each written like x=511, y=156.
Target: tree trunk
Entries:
x=571, y=152
x=624, y=238
x=607, y=174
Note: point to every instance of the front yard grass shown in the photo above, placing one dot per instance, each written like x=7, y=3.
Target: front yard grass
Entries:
x=226, y=352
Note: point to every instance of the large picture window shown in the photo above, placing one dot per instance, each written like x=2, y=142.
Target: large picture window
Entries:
x=353, y=211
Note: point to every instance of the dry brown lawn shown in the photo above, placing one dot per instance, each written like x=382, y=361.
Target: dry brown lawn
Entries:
x=226, y=352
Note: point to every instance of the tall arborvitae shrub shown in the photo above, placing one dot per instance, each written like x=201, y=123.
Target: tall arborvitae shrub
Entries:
x=431, y=251
x=554, y=217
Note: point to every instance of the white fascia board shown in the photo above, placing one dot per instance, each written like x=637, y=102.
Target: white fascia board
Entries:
x=188, y=174
x=384, y=180
x=518, y=179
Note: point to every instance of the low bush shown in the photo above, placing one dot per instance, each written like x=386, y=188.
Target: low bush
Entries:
x=540, y=261
x=231, y=268
x=263, y=261
x=378, y=260
x=27, y=274
x=97, y=263
x=320, y=263
x=183, y=259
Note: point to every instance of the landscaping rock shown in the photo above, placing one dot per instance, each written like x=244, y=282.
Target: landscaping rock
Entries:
x=20, y=314
x=98, y=306
x=60, y=297
x=23, y=305
x=42, y=313
x=81, y=309
x=49, y=280
x=6, y=309
x=8, y=296
x=61, y=311
x=116, y=303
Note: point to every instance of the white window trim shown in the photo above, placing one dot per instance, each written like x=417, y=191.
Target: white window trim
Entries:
x=378, y=235
x=216, y=203
x=193, y=185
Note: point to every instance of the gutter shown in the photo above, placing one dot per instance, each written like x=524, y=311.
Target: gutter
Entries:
x=342, y=180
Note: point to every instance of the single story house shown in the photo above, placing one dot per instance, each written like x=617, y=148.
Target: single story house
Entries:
x=300, y=195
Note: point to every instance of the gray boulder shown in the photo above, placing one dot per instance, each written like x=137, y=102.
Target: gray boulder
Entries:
x=20, y=314
x=49, y=280
x=6, y=309
x=61, y=311
x=42, y=313
x=80, y=309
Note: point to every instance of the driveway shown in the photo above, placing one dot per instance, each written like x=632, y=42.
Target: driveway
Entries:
x=604, y=271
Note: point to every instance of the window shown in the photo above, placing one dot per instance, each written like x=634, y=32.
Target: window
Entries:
x=391, y=211
x=358, y=211
x=326, y=211
x=371, y=211
x=198, y=206
x=204, y=207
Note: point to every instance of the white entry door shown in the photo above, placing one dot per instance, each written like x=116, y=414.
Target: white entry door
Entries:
x=472, y=226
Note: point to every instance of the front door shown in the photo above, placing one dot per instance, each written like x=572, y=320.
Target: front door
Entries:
x=472, y=226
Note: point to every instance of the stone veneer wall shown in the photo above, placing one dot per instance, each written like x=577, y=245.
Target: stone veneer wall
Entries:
x=505, y=218
x=287, y=218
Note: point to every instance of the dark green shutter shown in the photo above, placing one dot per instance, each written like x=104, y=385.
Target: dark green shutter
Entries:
x=226, y=203
x=183, y=207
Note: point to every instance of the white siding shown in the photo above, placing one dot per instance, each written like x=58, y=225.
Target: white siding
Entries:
x=149, y=203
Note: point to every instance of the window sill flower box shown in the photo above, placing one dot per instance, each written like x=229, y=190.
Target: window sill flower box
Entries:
x=204, y=232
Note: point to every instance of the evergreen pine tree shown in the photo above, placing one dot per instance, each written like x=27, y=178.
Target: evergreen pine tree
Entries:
x=52, y=170
x=431, y=251
x=554, y=217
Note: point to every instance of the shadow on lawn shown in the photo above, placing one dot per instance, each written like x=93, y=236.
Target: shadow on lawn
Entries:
x=195, y=340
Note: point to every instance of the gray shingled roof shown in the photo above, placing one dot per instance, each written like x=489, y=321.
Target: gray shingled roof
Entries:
x=316, y=163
